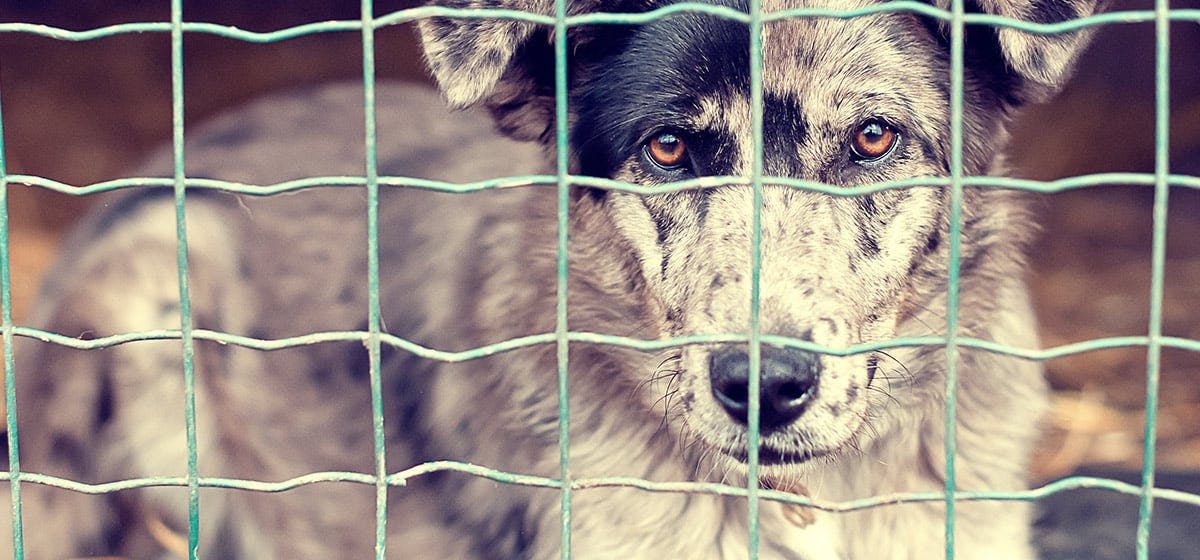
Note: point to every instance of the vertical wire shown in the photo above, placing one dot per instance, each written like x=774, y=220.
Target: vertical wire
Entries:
x=10, y=372
x=185, y=300
x=756, y=172
x=374, y=321
x=957, y=33
x=1162, y=114
x=560, y=324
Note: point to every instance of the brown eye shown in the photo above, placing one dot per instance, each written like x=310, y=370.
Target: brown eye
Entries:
x=873, y=140
x=667, y=150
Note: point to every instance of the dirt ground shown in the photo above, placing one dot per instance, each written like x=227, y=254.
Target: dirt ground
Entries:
x=85, y=112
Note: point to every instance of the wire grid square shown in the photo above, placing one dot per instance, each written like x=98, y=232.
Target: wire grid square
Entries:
x=375, y=337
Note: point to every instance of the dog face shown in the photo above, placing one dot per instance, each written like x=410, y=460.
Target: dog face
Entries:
x=845, y=102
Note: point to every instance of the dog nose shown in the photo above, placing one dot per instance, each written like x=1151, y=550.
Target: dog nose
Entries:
x=787, y=382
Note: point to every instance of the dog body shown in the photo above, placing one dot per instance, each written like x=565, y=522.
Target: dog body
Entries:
x=459, y=271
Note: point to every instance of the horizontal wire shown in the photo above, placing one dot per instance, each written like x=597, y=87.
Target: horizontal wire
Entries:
x=601, y=18
x=334, y=181
x=401, y=478
x=422, y=351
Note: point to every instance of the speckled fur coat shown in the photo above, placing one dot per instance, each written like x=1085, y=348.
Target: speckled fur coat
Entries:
x=845, y=103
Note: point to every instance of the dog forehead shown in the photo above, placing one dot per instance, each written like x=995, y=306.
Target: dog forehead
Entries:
x=833, y=57
x=832, y=71
x=817, y=62
x=820, y=77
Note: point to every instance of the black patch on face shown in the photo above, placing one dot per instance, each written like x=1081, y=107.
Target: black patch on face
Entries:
x=714, y=154
x=632, y=81
x=784, y=128
x=629, y=82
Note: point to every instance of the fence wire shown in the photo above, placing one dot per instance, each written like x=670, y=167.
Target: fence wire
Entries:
x=374, y=336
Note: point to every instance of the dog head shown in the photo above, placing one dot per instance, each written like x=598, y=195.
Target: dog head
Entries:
x=845, y=102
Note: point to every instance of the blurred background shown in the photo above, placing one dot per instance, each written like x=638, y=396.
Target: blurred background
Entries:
x=82, y=112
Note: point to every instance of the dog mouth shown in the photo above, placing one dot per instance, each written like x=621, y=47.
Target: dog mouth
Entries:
x=770, y=456
x=770, y=453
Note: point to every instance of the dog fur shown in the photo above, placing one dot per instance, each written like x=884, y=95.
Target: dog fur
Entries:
x=464, y=270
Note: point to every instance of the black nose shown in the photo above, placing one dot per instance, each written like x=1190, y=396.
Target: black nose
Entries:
x=787, y=381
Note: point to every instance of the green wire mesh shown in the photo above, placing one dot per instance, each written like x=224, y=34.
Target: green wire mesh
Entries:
x=374, y=337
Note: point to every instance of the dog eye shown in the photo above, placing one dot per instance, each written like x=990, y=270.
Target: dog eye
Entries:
x=873, y=140
x=667, y=150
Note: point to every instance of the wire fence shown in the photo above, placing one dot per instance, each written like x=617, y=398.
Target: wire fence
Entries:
x=375, y=338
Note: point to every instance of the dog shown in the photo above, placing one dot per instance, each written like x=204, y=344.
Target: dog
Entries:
x=845, y=102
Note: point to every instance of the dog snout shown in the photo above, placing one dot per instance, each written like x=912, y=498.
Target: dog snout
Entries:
x=787, y=381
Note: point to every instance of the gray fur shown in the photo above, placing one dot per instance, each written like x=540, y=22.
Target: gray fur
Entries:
x=461, y=271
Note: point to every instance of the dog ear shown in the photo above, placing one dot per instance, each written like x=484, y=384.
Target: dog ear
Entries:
x=1036, y=65
x=469, y=56
x=505, y=65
